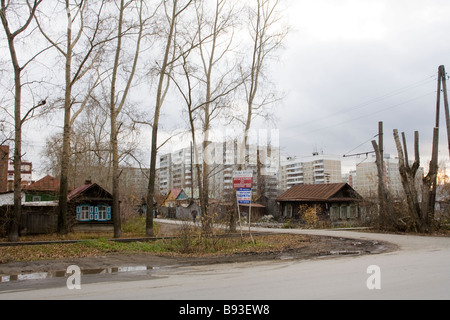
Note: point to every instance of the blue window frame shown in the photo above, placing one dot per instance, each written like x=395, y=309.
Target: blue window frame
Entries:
x=86, y=212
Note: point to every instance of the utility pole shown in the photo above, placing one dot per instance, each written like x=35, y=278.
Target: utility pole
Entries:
x=381, y=147
x=383, y=195
x=380, y=139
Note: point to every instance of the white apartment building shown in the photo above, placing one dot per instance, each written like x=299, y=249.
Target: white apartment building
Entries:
x=175, y=171
x=316, y=169
x=366, y=180
x=223, y=159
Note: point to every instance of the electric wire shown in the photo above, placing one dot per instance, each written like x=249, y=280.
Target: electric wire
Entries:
x=373, y=100
x=364, y=116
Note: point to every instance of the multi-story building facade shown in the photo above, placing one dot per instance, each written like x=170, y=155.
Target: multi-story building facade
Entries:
x=366, y=182
x=317, y=169
x=178, y=169
x=26, y=174
x=175, y=170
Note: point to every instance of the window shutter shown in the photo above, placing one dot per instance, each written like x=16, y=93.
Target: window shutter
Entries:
x=96, y=217
x=79, y=213
x=91, y=213
x=108, y=213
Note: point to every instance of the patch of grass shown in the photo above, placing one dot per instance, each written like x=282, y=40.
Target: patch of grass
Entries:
x=214, y=246
x=136, y=225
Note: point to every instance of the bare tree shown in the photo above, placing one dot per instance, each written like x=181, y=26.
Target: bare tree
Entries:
x=117, y=101
x=215, y=31
x=267, y=34
x=79, y=64
x=172, y=15
x=19, y=119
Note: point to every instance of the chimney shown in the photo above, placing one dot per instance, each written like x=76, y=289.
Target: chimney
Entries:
x=88, y=181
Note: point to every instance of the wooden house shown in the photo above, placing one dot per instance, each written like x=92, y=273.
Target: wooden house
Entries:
x=336, y=202
x=258, y=210
x=38, y=217
x=174, y=198
x=89, y=208
x=45, y=189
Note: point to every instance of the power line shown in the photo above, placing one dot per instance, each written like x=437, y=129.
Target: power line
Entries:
x=374, y=100
x=370, y=114
x=353, y=155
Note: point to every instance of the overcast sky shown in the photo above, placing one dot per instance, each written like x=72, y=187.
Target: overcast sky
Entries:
x=349, y=64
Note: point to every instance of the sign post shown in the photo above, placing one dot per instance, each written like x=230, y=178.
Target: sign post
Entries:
x=243, y=183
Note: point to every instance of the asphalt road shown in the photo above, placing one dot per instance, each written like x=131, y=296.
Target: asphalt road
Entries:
x=420, y=269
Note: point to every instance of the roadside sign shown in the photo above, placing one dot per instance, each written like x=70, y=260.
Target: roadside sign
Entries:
x=243, y=179
x=244, y=195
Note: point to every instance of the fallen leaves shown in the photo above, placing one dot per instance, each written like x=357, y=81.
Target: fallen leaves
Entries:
x=173, y=247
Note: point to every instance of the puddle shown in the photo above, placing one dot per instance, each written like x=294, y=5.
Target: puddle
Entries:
x=63, y=273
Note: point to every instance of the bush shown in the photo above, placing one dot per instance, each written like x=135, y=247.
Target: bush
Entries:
x=309, y=215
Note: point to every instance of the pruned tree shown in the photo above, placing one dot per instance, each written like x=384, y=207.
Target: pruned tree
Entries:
x=384, y=197
x=29, y=9
x=421, y=212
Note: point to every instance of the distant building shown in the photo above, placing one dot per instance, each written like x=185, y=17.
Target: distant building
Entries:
x=367, y=177
x=178, y=169
x=317, y=169
x=26, y=174
x=350, y=178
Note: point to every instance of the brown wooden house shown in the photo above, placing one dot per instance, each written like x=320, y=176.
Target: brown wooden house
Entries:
x=89, y=207
x=337, y=202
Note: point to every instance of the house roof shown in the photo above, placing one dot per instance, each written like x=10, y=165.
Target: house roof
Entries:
x=176, y=192
x=320, y=192
x=80, y=190
x=174, y=195
x=48, y=183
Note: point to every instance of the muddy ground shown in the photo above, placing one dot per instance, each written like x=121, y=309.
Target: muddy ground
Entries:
x=318, y=247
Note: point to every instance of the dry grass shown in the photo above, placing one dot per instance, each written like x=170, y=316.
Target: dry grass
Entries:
x=214, y=246
x=189, y=241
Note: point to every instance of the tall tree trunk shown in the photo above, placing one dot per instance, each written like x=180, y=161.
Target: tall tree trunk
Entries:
x=158, y=106
x=64, y=177
x=13, y=232
x=114, y=144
